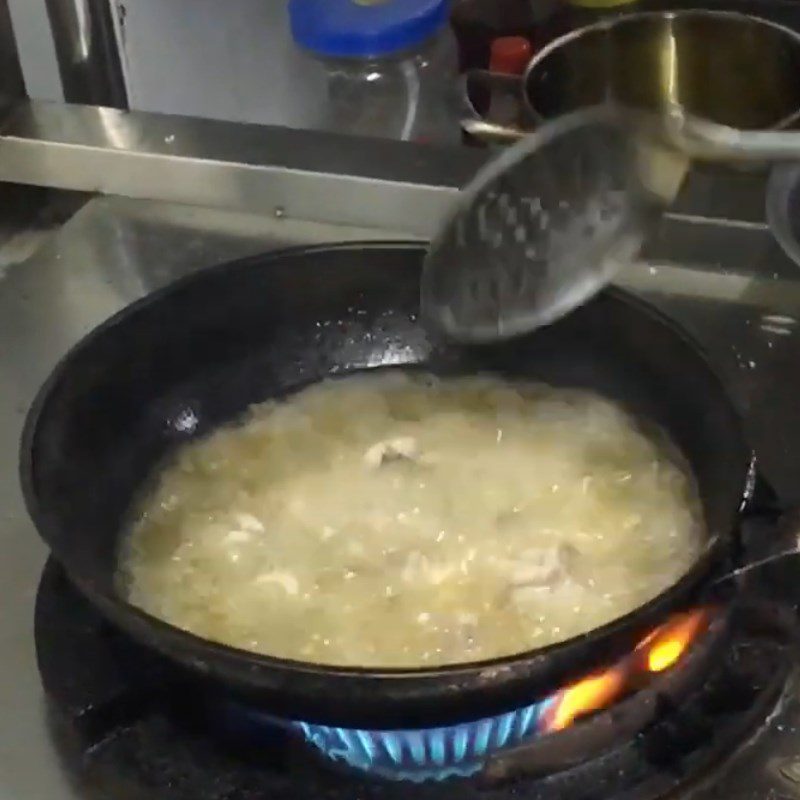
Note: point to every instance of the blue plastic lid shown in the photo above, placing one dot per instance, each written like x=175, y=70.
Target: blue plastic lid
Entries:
x=363, y=28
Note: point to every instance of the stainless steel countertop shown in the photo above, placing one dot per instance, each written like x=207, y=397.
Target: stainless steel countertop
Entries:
x=726, y=280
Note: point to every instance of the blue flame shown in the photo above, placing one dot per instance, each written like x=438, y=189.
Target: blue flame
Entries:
x=426, y=754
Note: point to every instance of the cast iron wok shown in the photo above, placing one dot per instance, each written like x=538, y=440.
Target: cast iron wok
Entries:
x=185, y=359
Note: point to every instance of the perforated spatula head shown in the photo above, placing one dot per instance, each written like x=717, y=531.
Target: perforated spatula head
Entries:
x=547, y=224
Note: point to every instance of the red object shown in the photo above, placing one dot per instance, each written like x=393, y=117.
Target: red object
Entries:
x=510, y=55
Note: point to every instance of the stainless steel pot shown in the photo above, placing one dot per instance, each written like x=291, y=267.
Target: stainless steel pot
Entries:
x=731, y=68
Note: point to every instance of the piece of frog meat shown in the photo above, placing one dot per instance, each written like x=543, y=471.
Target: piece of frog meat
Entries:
x=401, y=448
x=542, y=567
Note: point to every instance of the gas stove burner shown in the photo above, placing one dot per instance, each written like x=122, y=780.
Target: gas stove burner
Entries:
x=462, y=750
x=428, y=754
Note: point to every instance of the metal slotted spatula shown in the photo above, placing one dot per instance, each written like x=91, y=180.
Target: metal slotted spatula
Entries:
x=547, y=224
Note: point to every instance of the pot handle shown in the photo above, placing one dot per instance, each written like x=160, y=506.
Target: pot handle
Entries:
x=773, y=535
x=472, y=122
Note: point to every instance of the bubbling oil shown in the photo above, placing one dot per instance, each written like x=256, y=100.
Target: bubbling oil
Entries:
x=399, y=520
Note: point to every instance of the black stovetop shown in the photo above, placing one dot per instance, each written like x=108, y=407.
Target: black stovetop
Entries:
x=126, y=728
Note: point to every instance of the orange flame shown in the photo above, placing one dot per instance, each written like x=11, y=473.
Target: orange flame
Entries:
x=667, y=644
x=590, y=694
x=658, y=651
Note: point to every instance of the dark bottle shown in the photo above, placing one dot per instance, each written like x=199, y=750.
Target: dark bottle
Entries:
x=477, y=23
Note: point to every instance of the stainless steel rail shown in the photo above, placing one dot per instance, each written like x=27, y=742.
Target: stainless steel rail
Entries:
x=302, y=175
x=264, y=170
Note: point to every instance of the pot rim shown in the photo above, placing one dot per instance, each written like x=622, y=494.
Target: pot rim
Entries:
x=622, y=19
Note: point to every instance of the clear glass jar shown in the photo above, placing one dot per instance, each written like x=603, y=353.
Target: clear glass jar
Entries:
x=375, y=87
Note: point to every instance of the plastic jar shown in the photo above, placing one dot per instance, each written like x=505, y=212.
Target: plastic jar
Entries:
x=389, y=66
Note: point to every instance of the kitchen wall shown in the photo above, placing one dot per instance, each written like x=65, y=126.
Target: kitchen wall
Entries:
x=228, y=59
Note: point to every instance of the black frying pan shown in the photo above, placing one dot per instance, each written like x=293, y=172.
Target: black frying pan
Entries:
x=239, y=333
